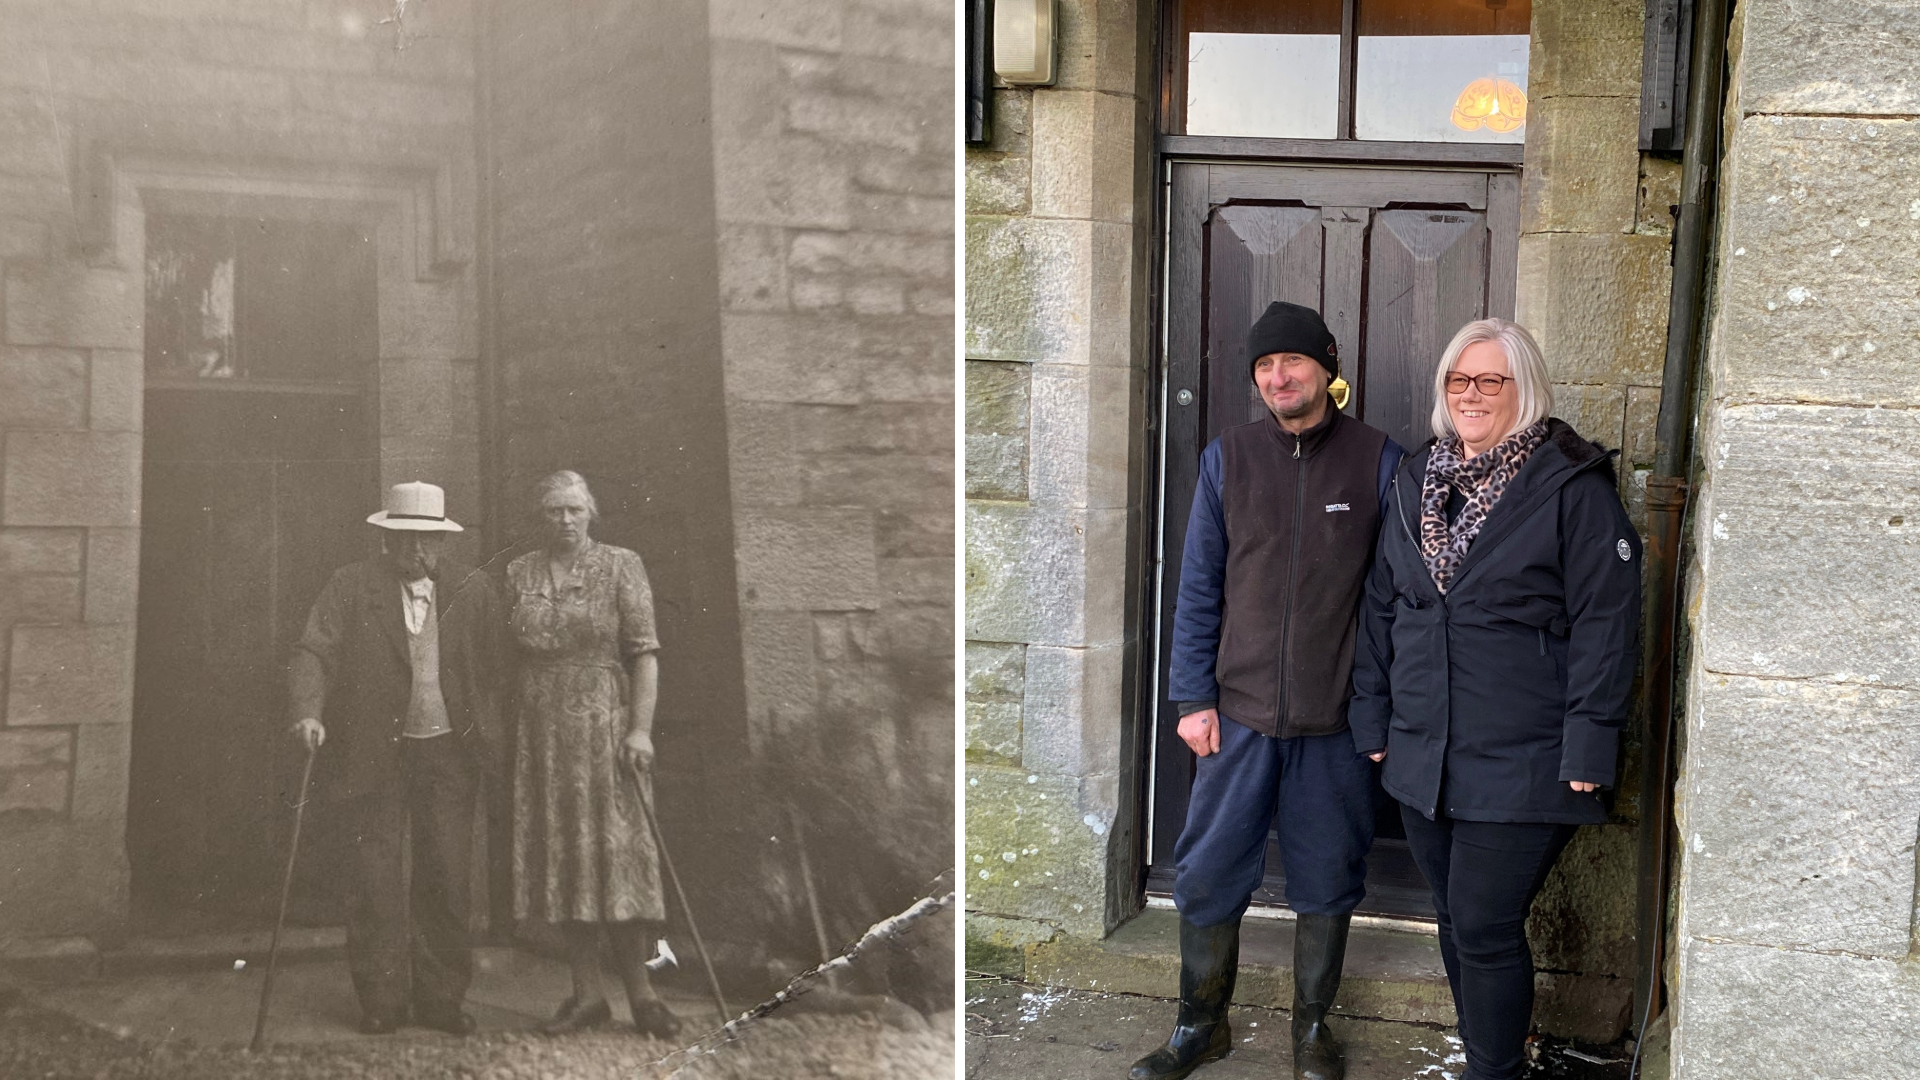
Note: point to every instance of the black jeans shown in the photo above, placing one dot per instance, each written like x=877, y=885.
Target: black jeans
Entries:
x=1484, y=876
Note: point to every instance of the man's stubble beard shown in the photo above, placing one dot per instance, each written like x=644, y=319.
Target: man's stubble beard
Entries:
x=1307, y=406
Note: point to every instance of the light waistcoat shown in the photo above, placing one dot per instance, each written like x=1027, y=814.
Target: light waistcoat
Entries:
x=426, y=708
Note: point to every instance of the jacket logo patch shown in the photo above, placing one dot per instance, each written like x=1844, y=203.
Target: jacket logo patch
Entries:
x=1332, y=507
x=1625, y=550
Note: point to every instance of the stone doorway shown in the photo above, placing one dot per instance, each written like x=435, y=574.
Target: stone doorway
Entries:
x=1396, y=260
x=261, y=457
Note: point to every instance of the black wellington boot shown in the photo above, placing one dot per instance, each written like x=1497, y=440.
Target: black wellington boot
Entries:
x=1319, y=950
x=1209, y=960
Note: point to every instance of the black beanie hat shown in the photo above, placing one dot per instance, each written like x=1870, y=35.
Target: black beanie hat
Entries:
x=1290, y=328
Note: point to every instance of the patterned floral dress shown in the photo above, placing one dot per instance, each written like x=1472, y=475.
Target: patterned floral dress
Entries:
x=581, y=846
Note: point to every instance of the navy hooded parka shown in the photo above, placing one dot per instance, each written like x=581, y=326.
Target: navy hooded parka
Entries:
x=1494, y=696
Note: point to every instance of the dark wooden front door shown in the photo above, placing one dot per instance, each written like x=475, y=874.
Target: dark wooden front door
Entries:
x=1395, y=260
x=250, y=499
x=260, y=466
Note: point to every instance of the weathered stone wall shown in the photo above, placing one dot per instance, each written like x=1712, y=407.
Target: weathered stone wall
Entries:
x=607, y=282
x=1799, y=798
x=832, y=123
x=1593, y=285
x=1058, y=211
x=256, y=94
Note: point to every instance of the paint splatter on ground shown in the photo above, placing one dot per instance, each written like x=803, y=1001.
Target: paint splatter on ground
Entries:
x=1018, y=1031
x=1037, y=1003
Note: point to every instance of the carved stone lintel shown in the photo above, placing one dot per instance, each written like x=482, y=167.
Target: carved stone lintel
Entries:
x=327, y=162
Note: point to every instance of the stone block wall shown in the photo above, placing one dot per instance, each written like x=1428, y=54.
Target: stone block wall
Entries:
x=90, y=94
x=1058, y=215
x=1596, y=235
x=831, y=146
x=1799, y=799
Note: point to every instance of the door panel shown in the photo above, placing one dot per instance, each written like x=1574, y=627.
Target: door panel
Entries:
x=1257, y=254
x=1426, y=275
x=249, y=501
x=1336, y=186
x=1395, y=260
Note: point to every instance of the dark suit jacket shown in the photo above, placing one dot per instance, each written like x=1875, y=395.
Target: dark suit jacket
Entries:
x=351, y=670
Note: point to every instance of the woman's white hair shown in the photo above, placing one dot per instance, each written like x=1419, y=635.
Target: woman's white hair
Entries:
x=1524, y=363
x=567, y=480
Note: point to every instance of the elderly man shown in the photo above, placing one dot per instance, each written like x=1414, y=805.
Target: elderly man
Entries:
x=399, y=659
x=1278, y=545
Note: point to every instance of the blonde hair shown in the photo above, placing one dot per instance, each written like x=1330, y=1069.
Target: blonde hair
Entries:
x=1525, y=365
x=567, y=480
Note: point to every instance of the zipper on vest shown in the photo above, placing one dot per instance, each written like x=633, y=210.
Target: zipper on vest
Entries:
x=1293, y=569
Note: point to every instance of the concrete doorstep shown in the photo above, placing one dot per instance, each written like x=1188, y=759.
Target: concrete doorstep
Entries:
x=1014, y=1030
x=313, y=1001
x=1389, y=975
x=1043, y=1004
x=69, y=958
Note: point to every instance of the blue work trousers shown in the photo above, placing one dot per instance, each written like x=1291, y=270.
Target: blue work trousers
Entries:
x=1323, y=793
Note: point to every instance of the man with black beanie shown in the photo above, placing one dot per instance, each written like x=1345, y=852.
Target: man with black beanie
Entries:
x=1278, y=544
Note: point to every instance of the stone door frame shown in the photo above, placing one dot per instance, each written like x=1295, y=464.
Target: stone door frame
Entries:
x=1169, y=149
x=425, y=303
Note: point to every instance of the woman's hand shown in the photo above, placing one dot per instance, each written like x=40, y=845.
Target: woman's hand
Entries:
x=1580, y=785
x=1378, y=755
x=636, y=751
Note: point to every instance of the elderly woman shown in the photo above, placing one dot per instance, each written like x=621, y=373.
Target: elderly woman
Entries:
x=1496, y=653
x=583, y=855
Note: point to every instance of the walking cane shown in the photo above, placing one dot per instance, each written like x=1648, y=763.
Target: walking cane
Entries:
x=653, y=824
x=813, y=895
x=286, y=890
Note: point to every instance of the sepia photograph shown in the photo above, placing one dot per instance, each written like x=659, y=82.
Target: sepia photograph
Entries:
x=1439, y=532
x=477, y=538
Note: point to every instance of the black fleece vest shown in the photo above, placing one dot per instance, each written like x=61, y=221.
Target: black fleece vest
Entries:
x=1302, y=513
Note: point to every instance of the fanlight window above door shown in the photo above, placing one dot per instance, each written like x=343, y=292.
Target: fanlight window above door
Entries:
x=258, y=299
x=1382, y=70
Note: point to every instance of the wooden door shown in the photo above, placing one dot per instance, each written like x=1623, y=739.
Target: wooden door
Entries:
x=250, y=499
x=1395, y=260
x=260, y=467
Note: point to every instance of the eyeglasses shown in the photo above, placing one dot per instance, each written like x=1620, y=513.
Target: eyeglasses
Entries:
x=1489, y=384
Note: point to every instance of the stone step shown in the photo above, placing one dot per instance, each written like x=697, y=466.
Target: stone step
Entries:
x=216, y=951
x=1390, y=974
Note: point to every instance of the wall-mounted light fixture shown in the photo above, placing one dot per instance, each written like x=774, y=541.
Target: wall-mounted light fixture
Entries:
x=1023, y=41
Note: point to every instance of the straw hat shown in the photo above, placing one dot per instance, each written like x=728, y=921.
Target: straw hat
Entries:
x=415, y=507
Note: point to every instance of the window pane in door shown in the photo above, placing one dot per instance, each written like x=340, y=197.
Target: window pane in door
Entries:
x=1260, y=68
x=1442, y=70
x=253, y=299
x=189, y=325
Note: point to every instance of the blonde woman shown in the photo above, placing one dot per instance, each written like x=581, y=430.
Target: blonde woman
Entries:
x=1496, y=655
x=583, y=856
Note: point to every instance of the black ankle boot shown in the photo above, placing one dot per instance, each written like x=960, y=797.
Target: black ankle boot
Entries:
x=1209, y=959
x=1319, y=950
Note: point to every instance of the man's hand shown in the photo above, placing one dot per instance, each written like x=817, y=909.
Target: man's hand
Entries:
x=1201, y=731
x=310, y=733
x=636, y=751
x=1580, y=785
x=1377, y=755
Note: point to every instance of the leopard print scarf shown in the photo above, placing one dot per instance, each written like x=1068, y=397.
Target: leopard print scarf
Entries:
x=1482, y=479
